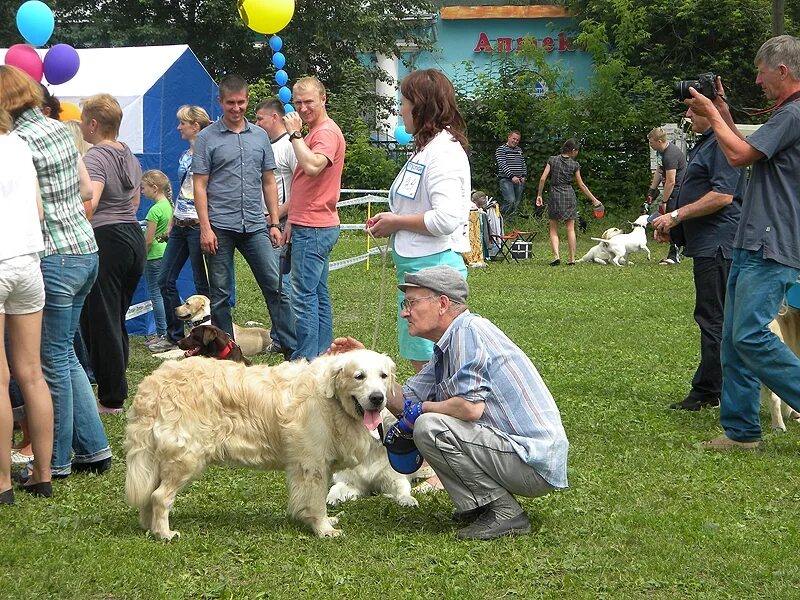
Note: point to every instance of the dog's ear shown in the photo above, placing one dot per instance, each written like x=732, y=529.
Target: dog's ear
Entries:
x=333, y=373
x=209, y=335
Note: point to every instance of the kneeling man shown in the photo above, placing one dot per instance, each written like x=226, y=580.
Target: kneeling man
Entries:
x=479, y=411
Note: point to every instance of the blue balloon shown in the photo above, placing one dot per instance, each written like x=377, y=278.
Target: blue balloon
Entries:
x=279, y=60
x=287, y=108
x=35, y=22
x=281, y=77
x=276, y=43
x=285, y=94
x=401, y=136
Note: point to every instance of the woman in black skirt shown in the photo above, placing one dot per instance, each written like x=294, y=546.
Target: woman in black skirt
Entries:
x=563, y=204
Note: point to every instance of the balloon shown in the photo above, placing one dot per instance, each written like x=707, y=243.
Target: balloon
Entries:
x=276, y=43
x=69, y=112
x=266, y=16
x=61, y=63
x=287, y=108
x=281, y=77
x=401, y=136
x=285, y=94
x=26, y=58
x=35, y=22
x=279, y=60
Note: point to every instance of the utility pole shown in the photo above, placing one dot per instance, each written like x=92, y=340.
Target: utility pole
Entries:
x=777, y=17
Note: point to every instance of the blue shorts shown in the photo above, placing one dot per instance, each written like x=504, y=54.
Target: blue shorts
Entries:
x=411, y=347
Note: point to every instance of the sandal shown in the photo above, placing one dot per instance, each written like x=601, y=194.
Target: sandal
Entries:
x=667, y=261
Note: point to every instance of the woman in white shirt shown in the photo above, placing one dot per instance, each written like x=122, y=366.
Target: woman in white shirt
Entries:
x=430, y=197
x=21, y=303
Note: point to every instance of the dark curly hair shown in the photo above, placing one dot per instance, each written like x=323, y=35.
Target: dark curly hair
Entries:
x=435, y=108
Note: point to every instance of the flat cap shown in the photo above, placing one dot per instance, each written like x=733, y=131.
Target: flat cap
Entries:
x=442, y=280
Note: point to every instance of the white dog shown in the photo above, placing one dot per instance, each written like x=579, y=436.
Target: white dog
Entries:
x=787, y=327
x=374, y=475
x=598, y=253
x=305, y=418
x=619, y=246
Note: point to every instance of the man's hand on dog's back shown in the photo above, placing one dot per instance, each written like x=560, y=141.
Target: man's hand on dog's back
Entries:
x=344, y=344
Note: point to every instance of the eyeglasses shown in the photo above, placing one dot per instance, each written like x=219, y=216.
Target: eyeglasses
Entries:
x=409, y=304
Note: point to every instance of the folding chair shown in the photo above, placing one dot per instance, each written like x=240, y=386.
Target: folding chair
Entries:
x=503, y=244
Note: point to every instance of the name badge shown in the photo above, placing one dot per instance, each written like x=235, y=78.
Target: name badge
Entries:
x=412, y=176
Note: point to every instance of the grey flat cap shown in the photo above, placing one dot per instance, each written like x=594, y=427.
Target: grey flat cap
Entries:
x=442, y=280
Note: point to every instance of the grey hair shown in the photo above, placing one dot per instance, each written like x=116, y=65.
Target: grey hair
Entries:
x=780, y=50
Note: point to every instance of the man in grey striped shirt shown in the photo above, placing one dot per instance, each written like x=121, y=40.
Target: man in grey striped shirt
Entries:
x=512, y=171
x=479, y=411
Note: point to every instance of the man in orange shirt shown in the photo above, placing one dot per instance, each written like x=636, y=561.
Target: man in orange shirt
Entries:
x=313, y=224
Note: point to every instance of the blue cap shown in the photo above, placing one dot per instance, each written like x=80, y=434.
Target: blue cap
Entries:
x=402, y=452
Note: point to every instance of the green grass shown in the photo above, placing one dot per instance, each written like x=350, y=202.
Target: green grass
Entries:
x=646, y=515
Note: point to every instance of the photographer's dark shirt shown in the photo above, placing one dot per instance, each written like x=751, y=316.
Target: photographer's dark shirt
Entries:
x=771, y=207
x=708, y=171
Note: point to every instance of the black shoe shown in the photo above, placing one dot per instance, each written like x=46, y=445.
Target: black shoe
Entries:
x=7, y=497
x=469, y=516
x=22, y=477
x=695, y=405
x=97, y=466
x=556, y=262
x=43, y=489
x=490, y=526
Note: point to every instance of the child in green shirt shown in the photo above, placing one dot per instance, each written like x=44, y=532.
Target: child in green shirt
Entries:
x=156, y=187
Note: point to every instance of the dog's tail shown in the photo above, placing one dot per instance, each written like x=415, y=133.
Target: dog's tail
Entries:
x=602, y=241
x=142, y=477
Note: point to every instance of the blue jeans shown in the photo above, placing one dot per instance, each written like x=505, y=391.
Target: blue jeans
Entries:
x=512, y=194
x=183, y=243
x=311, y=249
x=751, y=353
x=67, y=281
x=152, y=273
x=256, y=249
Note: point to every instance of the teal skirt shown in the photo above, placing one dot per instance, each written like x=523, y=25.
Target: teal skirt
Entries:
x=411, y=347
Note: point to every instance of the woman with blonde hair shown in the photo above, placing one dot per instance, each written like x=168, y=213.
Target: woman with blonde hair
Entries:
x=69, y=268
x=184, y=234
x=116, y=184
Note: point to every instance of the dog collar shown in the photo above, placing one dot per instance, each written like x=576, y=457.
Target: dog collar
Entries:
x=227, y=349
x=642, y=226
x=205, y=319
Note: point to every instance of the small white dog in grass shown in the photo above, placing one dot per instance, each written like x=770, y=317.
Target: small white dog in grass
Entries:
x=598, y=253
x=619, y=246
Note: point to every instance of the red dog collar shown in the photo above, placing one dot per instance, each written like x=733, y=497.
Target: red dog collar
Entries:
x=227, y=349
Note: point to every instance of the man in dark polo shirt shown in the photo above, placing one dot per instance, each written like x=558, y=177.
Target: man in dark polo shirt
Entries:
x=705, y=218
x=766, y=255
x=670, y=172
x=233, y=169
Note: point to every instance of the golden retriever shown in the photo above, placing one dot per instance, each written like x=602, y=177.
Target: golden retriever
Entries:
x=305, y=418
x=787, y=327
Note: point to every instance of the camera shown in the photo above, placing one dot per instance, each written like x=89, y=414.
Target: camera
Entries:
x=706, y=84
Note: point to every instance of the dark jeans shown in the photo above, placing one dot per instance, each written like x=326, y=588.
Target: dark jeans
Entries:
x=122, y=260
x=183, y=243
x=254, y=248
x=710, y=281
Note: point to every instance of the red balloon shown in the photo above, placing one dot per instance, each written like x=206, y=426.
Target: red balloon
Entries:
x=25, y=58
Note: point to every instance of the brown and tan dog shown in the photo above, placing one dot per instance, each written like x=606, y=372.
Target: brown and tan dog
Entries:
x=787, y=327
x=210, y=341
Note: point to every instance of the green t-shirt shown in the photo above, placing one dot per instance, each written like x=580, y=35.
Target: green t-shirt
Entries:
x=160, y=214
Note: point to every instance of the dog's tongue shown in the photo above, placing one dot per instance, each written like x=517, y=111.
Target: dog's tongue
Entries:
x=372, y=418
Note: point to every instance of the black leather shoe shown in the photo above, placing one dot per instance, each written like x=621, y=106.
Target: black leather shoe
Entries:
x=490, y=526
x=469, y=516
x=97, y=466
x=43, y=489
x=7, y=497
x=694, y=405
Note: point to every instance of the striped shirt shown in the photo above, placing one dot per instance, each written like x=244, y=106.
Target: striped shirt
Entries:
x=510, y=162
x=476, y=361
x=65, y=228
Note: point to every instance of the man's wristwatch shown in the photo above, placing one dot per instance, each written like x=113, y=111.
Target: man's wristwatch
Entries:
x=295, y=135
x=674, y=216
x=276, y=226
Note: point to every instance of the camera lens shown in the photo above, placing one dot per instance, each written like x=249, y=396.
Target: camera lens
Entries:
x=681, y=88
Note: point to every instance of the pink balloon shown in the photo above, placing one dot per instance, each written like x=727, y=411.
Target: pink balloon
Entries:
x=25, y=58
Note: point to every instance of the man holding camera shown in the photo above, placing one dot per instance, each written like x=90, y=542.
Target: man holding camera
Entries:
x=766, y=255
x=479, y=412
x=670, y=172
x=704, y=221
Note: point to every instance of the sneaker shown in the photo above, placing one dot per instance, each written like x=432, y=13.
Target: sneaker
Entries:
x=490, y=526
x=694, y=405
x=153, y=340
x=18, y=458
x=723, y=443
x=274, y=347
x=162, y=346
x=98, y=466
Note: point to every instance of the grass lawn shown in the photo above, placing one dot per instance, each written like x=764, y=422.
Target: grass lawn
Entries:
x=646, y=515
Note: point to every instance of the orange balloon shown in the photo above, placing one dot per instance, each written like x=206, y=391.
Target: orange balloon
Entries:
x=69, y=112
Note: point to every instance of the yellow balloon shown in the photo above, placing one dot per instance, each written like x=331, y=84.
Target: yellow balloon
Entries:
x=69, y=112
x=266, y=16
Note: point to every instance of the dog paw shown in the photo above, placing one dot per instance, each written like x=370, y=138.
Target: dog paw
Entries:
x=778, y=429
x=407, y=501
x=166, y=536
x=339, y=495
